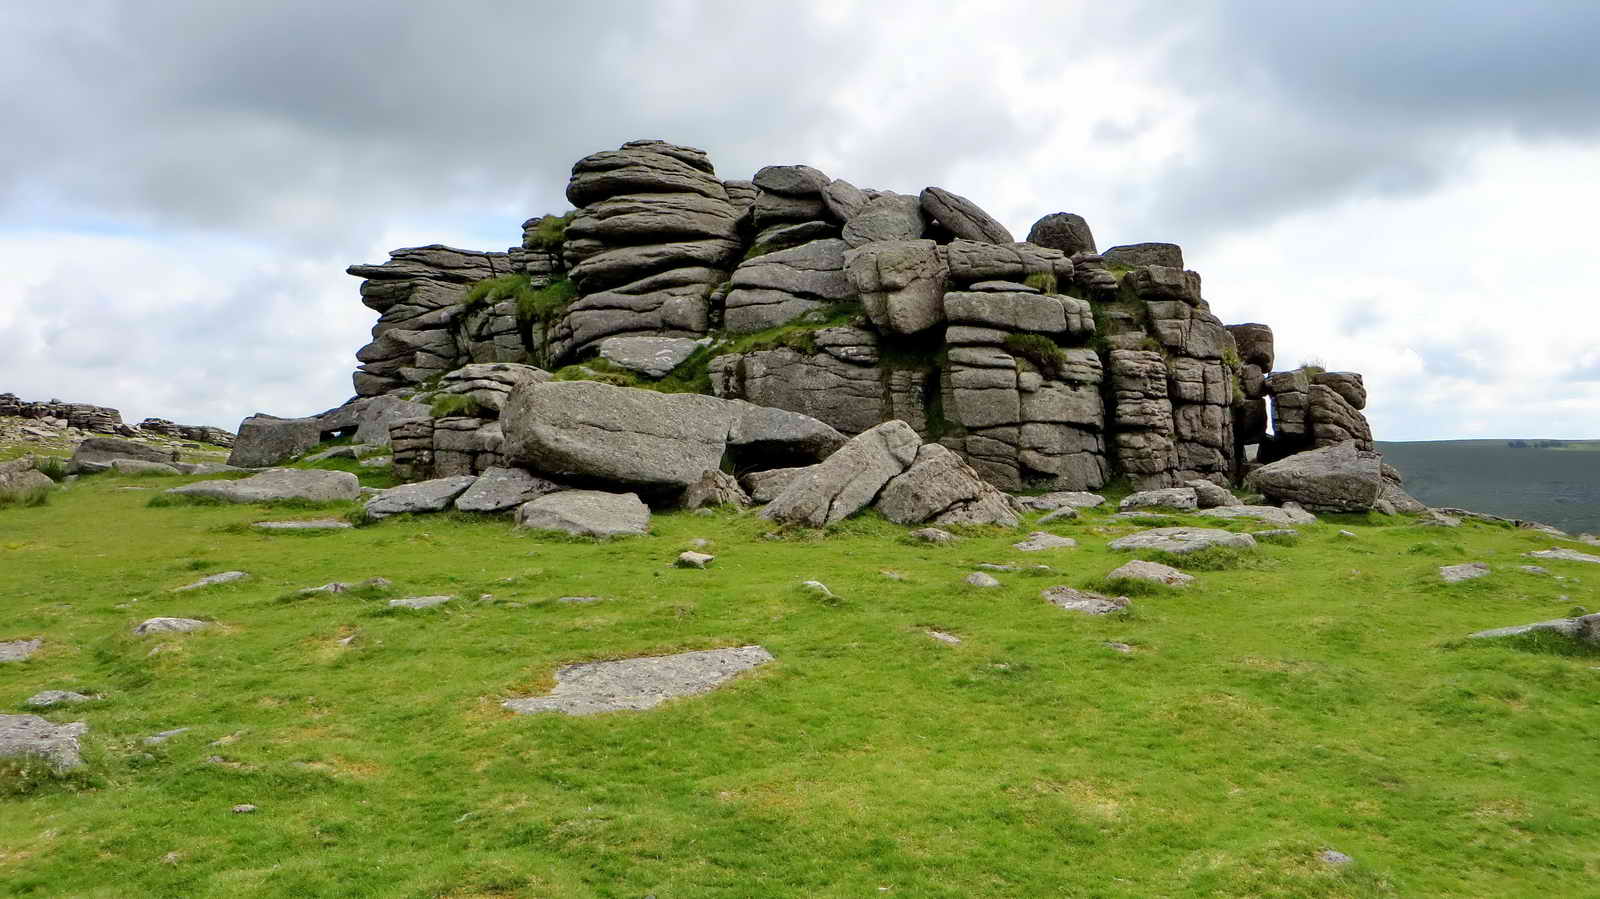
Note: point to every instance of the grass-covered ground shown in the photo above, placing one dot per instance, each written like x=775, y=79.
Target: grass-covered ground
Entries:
x=1299, y=698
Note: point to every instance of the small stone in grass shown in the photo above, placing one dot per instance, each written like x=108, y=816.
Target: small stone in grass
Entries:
x=1333, y=857
x=979, y=579
x=243, y=809
x=944, y=637
x=934, y=535
x=692, y=559
x=1119, y=647
x=419, y=602
x=820, y=589
x=226, y=577
x=1041, y=540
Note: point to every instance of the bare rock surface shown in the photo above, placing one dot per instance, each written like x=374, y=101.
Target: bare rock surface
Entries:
x=1076, y=499
x=1455, y=574
x=419, y=602
x=1180, y=499
x=1181, y=540
x=45, y=699
x=764, y=486
x=140, y=466
x=586, y=513
x=265, y=440
x=653, y=357
x=1074, y=600
x=307, y=524
x=643, y=683
x=29, y=736
x=1151, y=571
x=279, y=484
x=19, y=650
x=102, y=451
x=1583, y=627
x=941, y=488
x=715, y=488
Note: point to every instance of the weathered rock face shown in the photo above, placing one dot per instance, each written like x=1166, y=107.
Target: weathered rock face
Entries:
x=1042, y=364
x=940, y=488
x=586, y=513
x=847, y=481
x=97, y=453
x=264, y=440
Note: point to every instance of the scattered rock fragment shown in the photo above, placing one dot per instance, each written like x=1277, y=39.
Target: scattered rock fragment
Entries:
x=1154, y=572
x=1065, y=513
x=419, y=602
x=819, y=588
x=243, y=808
x=944, y=637
x=19, y=650
x=1454, y=574
x=158, y=738
x=47, y=698
x=1118, y=647
x=225, y=577
x=581, y=600
x=1533, y=569
x=170, y=626
x=1075, y=600
x=933, y=535
x=642, y=683
x=1042, y=540
x=692, y=559
x=979, y=579
x=1333, y=857
x=29, y=736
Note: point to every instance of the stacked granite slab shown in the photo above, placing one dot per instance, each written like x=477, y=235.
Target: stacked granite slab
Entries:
x=428, y=447
x=418, y=294
x=654, y=234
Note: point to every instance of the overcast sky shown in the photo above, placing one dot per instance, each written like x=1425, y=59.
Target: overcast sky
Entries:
x=1408, y=190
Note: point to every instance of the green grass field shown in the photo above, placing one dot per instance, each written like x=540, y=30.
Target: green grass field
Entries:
x=1299, y=698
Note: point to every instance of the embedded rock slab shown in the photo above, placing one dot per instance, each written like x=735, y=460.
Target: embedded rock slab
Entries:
x=29, y=736
x=847, y=481
x=979, y=579
x=1181, y=499
x=1155, y=572
x=1280, y=515
x=1336, y=478
x=637, y=684
x=941, y=488
x=1211, y=496
x=1179, y=541
x=308, y=524
x=45, y=699
x=1585, y=627
x=1088, y=602
x=419, y=602
x=500, y=489
x=140, y=466
x=1074, y=499
x=19, y=650
x=1455, y=574
x=170, y=626
x=586, y=513
x=264, y=440
x=653, y=357
x=102, y=451
x=1569, y=555
x=585, y=430
x=224, y=577
x=424, y=496
x=278, y=484
x=1042, y=540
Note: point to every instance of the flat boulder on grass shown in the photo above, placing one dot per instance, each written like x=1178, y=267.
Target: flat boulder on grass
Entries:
x=1074, y=600
x=847, y=481
x=419, y=602
x=140, y=466
x=1061, y=499
x=211, y=580
x=942, y=488
x=1155, y=572
x=423, y=496
x=1043, y=540
x=1179, y=541
x=1280, y=515
x=279, y=484
x=170, y=626
x=26, y=737
x=1455, y=574
x=45, y=699
x=1181, y=499
x=636, y=684
x=586, y=513
x=19, y=650
x=307, y=524
x=1568, y=555
x=97, y=453
x=1584, y=627
x=1210, y=495
x=502, y=489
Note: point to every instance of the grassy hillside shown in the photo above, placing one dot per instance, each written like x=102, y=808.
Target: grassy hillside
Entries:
x=1299, y=698
x=1556, y=485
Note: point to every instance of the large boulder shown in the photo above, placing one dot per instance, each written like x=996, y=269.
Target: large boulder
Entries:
x=586, y=513
x=660, y=443
x=941, y=488
x=264, y=440
x=1064, y=231
x=19, y=477
x=499, y=489
x=848, y=480
x=1335, y=478
x=1133, y=255
x=888, y=217
x=279, y=484
x=97, y=453
x=962, y=217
